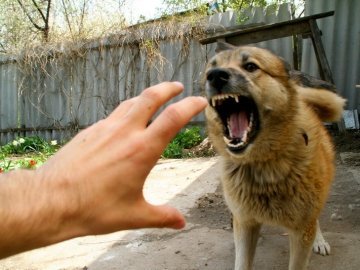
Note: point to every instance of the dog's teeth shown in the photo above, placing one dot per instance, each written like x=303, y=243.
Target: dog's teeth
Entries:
x=236, y=99
x=229, y=128
x=226, y=140
x=244, y=137
x=251, y=121
x=213, y=102
x=237, y=145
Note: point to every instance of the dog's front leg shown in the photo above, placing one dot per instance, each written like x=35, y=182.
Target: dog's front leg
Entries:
x=320, y=246
x=301, y=242
x=246, y=235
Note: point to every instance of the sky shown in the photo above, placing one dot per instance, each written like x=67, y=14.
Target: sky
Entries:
x=148, y=8
x=136, y=8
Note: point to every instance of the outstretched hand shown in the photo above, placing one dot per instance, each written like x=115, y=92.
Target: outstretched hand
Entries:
x=94, y=184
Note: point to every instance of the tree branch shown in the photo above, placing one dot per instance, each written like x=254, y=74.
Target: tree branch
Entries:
x=82, y=17
x=67, y=17
x=48, y=12
x=29, y=17
x=3, y=49
x=40, y=11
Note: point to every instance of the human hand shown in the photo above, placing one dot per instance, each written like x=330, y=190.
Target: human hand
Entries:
x=99, y=175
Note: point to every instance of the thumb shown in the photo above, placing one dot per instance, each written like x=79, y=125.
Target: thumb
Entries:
x=161, y=216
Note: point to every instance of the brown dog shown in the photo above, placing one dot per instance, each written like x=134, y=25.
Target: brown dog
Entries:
x=278, y=160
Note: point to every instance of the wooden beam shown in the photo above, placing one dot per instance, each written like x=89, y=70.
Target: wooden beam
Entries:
x=324, y=67
x=292, y=27
x=258, y=35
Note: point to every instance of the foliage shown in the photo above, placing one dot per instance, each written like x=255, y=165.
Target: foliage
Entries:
x=201, y=6
x=25, y=24
x=171, y=7
x=173, y=150
x=186, y=139
x=26, y=153
x=29, y=145
x=190, y=137
x=23, y=162
x=206, y=7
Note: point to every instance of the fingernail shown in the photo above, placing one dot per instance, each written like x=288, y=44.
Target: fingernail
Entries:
x=179, y=84
x=203, y=100
x=178, y=224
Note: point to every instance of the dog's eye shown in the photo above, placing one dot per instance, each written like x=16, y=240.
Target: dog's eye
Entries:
x=250, y=67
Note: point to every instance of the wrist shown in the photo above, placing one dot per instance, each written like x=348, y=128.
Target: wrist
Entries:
x=35, y=212
x=61, y=205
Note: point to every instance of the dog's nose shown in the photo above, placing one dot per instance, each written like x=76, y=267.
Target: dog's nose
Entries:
x=218, y=78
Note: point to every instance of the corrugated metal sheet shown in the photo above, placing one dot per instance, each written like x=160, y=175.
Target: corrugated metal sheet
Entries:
x=272, y=14
x=78, y=90
x=341, y=39
x=8, y=97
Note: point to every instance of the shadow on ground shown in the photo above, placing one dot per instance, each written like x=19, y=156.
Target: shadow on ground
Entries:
x=207, y=242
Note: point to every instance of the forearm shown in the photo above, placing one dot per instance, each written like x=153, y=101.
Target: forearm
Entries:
x=34, y=212
x=94, y=184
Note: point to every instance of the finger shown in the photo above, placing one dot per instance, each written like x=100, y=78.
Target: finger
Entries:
x=151, y=99
x=172, y=119
x=164, y=216
x=123, y=108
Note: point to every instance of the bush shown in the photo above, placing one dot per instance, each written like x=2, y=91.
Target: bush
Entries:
x=186, y=139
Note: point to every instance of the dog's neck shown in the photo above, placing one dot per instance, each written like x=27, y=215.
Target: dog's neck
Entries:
x=270, y=163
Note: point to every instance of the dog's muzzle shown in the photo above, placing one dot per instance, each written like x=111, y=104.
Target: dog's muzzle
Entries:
x=229, y=97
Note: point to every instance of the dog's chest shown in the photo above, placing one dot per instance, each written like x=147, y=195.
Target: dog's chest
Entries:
x=262, y=195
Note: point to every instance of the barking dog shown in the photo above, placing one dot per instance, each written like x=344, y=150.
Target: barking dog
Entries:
x=278, y=160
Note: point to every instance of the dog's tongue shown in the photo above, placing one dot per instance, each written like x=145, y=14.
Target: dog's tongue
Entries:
x=238, y=124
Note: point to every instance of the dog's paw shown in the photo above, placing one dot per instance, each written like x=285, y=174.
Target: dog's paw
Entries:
x=321, y=247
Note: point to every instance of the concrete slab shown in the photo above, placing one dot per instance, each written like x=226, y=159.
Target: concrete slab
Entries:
x=192, y=185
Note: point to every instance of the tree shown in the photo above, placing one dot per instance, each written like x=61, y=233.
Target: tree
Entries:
x=202, y=6
x=25, y=23
x=15, y=29
x=38, y=14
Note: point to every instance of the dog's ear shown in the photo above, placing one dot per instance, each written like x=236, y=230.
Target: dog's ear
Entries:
x=223, y=46
x=287, y=65
x=327, y=105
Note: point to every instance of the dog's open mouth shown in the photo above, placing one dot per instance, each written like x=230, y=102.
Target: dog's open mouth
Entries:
x=240, y=119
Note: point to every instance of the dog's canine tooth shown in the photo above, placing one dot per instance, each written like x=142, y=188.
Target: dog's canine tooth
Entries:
x=226, y=140
x=228, y=126
x=230, y=133
x=251, y=120
x=217, y=100
x=244, y=137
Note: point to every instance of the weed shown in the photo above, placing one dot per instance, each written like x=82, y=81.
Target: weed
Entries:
x=26, y=153
x=186, y=139
x=29, y=145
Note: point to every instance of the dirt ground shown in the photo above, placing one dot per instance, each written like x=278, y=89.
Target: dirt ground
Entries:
x=193, y=186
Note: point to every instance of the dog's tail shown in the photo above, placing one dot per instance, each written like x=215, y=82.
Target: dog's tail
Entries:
x=327, y=105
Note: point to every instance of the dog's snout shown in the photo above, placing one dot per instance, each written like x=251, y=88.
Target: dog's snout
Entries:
x=218, y=77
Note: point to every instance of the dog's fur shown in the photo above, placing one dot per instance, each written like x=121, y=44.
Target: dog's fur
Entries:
x=283, y=174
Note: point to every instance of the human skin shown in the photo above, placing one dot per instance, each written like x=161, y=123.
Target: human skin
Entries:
x=94, y=184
